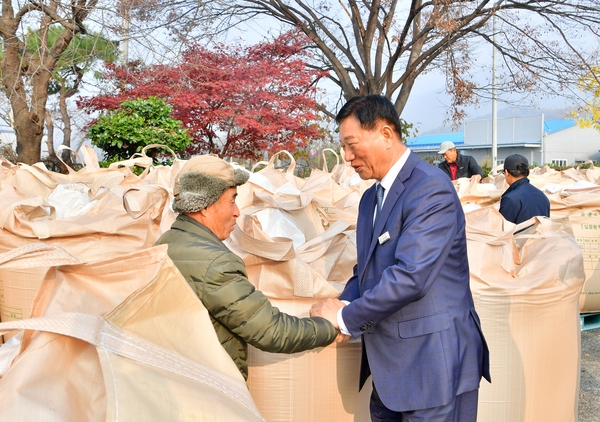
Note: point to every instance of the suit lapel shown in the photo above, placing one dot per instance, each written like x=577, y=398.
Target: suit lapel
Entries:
x=388, y=206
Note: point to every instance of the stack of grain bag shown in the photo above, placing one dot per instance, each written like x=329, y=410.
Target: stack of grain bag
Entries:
x=103, y=214
x=297, y=238
x=579, y=199
x=573, y=193
x=279, y=225
x=94, y=214
x=120, y=339
x=526, y=289
x=107, y=327
x=529, y=288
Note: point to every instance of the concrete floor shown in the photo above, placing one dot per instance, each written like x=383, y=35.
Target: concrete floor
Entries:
x=589, y=391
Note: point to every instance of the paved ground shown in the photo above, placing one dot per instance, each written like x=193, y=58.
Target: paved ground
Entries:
x=589, y=391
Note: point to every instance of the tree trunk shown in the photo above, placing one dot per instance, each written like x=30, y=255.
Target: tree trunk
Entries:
x=29, y=129
x=53, y=162
x=26, y=74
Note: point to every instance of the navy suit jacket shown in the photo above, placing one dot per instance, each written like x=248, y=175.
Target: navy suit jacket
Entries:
x=410, y=296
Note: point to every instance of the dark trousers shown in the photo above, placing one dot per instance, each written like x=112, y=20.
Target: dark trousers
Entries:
x=462, y=409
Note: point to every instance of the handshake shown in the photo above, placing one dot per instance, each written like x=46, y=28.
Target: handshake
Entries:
x=328, y=309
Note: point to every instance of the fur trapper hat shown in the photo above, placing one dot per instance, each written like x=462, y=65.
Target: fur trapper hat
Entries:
x=201, y=182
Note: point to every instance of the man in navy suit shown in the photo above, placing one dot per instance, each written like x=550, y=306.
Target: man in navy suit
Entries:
x=409, y=297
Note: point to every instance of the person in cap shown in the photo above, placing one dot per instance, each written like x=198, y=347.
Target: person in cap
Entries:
x=204, y=196
x=457, y=165
x=522, y=200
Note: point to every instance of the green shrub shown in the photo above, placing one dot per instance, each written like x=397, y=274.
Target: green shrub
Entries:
x=138, y=123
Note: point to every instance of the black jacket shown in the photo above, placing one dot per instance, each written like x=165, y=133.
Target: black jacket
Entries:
x=467, y=166
x=522, y=200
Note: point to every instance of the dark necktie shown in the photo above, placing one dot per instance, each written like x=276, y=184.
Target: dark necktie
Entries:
x=379, y=194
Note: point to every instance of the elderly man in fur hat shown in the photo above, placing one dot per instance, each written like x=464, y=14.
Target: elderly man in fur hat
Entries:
x=205, y=192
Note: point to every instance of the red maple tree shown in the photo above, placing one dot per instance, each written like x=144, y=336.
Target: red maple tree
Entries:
x=235, y=100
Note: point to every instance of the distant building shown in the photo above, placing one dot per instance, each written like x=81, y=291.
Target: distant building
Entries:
x=558, y=142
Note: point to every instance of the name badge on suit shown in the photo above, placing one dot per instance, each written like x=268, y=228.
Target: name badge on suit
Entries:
x=384, y=238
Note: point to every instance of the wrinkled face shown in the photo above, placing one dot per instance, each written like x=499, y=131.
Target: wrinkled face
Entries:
x=220, y=216
x=450, y=155
x=366, y=150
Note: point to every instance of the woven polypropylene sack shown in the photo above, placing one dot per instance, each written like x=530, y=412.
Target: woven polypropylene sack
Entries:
x=526, y=289
x=583, y=210
x=135, y=344
x=320, y=385
x=123, y=214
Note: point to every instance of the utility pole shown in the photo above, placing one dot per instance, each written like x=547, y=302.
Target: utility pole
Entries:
x=494, y=111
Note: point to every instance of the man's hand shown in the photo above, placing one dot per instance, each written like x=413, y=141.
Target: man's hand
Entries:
x=327, y=309
x=341, y=338
x=476, y=178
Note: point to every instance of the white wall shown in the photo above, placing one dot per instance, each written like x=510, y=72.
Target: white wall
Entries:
x=572, y=144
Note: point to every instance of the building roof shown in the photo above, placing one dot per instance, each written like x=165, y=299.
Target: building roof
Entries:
x=552, y=126
x=435, y=140
x=430, y=142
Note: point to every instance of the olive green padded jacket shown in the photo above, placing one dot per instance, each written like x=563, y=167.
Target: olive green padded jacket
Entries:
x=240, y=314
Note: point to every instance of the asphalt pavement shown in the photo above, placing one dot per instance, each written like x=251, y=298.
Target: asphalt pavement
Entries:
x=589, y=389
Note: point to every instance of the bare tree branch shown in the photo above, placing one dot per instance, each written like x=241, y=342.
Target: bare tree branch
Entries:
x=383, y=46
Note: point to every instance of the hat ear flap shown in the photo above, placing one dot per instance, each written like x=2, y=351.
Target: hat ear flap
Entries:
x=240, y=177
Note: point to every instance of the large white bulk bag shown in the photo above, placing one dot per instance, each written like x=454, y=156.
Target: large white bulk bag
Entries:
x=526, y=290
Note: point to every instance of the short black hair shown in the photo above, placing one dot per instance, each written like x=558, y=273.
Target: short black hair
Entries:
x=369, y=110
x=521, y=170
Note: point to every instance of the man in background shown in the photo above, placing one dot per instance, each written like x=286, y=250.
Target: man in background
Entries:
x=456, y=165
x=409, y=297
x=522, y=200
